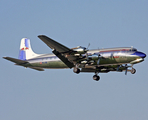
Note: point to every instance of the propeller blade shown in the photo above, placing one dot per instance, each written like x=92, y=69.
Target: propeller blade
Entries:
x=98, y=61
x=118, y=67
x=88, y=45
x=100, y=57
x=86, y=51
x=126, y=69
x=87, y=56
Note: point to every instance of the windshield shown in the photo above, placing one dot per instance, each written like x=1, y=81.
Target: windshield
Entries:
x=133, y=49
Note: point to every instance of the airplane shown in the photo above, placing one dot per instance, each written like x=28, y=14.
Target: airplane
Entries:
x=81, y=59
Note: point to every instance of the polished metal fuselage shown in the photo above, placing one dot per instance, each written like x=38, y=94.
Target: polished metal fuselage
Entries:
x=111, y=56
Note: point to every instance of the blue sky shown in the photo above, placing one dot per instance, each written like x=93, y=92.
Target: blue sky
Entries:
x=27, y=94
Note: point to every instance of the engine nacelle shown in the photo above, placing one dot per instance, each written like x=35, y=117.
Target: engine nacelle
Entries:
x=80, y=50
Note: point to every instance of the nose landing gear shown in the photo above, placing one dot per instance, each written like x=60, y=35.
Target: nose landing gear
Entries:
x=133, y=71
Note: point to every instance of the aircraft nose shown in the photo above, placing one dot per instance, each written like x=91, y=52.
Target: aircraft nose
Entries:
x=140, y=54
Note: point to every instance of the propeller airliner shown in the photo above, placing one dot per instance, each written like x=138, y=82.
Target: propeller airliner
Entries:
x=81, y=59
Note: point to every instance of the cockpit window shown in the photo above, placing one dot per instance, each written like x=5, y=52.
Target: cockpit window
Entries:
x=133, y=49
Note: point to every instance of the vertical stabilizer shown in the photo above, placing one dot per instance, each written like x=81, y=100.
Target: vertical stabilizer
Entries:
x=26, y=52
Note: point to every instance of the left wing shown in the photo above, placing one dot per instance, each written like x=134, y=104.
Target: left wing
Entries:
x=54, y=45
x=58, y=49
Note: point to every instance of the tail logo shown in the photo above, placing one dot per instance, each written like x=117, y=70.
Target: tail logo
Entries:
x=25, y=48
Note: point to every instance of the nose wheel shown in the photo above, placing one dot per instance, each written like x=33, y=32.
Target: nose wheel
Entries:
x=133, y=71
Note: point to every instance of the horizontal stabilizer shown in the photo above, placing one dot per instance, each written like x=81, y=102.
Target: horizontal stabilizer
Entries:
x=17, y=61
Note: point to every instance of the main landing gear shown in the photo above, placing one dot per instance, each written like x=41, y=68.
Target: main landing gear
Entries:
x=76, y=70
x=96, y=77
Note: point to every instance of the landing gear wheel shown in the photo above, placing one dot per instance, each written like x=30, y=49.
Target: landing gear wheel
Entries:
x=76, y=70
x=133, y=71
x=97, y=78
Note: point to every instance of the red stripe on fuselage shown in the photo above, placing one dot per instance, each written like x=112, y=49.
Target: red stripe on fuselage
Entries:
x=115, y=56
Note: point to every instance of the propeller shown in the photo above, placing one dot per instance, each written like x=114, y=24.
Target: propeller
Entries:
x=99, y=56
x=86, y=51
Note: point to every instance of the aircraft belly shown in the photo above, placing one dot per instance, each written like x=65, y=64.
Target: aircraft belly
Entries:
x=108, y=61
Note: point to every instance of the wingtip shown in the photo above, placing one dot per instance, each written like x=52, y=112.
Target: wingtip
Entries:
x=4, y=57
x=42, y=36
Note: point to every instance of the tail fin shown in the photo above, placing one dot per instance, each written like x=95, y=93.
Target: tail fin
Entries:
x=26, y=52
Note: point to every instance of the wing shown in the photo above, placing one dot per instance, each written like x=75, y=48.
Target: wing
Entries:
x=61, y=51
